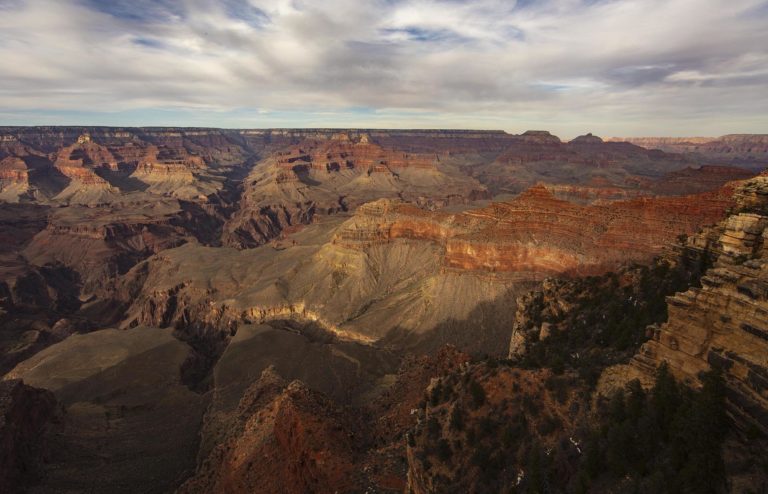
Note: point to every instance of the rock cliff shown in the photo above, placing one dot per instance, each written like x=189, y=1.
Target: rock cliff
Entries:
x=331, y=254
x=102, y=243
x=14, y=179
x=78, y=163
x=723, y=323
x=538, y=234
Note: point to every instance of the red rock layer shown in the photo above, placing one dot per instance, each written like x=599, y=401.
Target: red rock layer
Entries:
x=341, y=152
x=87, y=153
x=13, y=170
x=97, y=243
x=120, y=152
x=290, y=439
x=538, y=233
x=599, y=192
x=162, y=162
x=78, y=160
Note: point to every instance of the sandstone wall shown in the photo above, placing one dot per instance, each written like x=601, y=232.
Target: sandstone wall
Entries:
x=725, y=322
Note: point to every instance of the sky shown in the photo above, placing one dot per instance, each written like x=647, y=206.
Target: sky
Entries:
x=611, y=67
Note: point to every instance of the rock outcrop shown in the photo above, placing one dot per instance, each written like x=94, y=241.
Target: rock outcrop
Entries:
x=286, y=438
x=723, y=323
x=78, y=163
x=395, y=271
x=342, y=152
x=587, y=140
x=14, y=179
x=169, y=171
x=102, y=243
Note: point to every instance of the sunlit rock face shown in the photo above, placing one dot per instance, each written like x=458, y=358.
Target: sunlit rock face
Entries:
x=723, y=323
x=540, y=234
x=14, y=179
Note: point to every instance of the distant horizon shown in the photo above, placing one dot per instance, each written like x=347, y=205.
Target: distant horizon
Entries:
x=376, y=129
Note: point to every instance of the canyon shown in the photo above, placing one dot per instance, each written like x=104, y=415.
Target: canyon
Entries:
x=732, y=147
x=280, y=305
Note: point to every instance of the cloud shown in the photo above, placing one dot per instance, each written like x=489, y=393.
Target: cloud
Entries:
x=608, y=66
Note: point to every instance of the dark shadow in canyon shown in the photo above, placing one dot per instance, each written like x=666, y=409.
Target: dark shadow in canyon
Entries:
x=121, y=179
x=44, y=177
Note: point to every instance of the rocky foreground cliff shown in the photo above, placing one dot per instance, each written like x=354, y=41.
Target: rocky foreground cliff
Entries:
x=722, y=324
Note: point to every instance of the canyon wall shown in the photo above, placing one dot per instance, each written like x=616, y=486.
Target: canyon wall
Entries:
x=14, y=179
x=745, y=148
x=538, y=234
x=723, y=323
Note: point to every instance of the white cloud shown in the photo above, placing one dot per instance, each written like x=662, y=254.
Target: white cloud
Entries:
x=611, y=66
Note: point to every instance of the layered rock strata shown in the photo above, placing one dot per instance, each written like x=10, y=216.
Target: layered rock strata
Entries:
x=321, y=176
x=102, y=243
x=746, y=148
x=14, y=179
x=723, y=323
x=537, y=233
